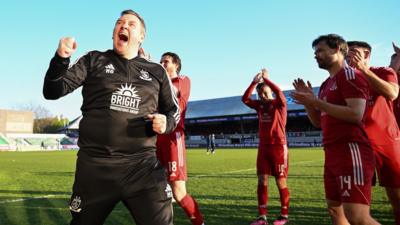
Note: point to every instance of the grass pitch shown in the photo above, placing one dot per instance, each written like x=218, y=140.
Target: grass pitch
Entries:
x=35, y=188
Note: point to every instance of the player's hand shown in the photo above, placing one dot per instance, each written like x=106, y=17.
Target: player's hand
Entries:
x=66, y=47
x=300, y=85
x=396, y=48
x=303, y=94
x=264, y=73
x=395, y=62
x=159, y=122
x=356, y=59
x=142, y=53
x=258, y=78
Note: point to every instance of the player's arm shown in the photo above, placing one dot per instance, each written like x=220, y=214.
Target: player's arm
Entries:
x=61, y=79
x=168, y=107
x=304, y=95
x=314, y=116
x=247, y=94
x=184, y=93
x=352, y=112
x=280, y=97
x=389, y=90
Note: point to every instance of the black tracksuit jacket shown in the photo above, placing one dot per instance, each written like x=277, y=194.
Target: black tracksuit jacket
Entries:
x=118, y=94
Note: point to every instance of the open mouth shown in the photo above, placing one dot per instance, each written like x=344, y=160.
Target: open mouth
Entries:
x=123, y=37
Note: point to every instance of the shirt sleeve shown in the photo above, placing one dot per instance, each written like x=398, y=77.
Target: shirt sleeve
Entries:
x=184, y=93
x=61, y=79
x=353, y=84
x=386, y=74
x=246, y=96
x=168, y=103
x=280, y=97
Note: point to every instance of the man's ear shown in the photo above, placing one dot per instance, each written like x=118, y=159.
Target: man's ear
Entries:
x=141, y=38
x=367, y=54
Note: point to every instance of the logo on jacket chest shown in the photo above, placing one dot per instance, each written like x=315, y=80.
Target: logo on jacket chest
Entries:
x=144, y=75
x=109, y=68
x=125, y=99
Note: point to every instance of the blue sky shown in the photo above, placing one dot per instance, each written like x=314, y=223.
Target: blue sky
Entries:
x=222, y=43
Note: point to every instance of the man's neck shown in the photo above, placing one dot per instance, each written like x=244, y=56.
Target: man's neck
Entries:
x=172, y=75
x=335, y=68
x=130, y=54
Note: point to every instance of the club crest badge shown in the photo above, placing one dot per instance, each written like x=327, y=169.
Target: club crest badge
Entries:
x=168, y=191
x=144, y=75
x=75, y=205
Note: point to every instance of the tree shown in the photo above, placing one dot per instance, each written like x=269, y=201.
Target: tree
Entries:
x=39, y=111
x=44, y=121
x=49, y=125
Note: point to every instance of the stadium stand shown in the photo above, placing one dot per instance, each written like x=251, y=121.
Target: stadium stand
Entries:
x=234, y=124
x=3, y=141
x=34, y=142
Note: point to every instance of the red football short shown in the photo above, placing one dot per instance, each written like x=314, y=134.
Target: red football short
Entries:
x=348, y=172
x=387, y=158
x=273, y=160
x=171, y=152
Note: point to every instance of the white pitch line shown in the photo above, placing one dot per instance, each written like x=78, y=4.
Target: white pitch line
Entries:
x=25, y=199
x=250, y=169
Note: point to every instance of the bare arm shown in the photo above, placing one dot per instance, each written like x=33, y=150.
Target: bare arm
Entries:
x=353, y=112
x=387, y=89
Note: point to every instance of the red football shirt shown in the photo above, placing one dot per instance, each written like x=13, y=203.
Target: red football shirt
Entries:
x=347, y=83
x=396, y=107
x=271, y=115
x=182, y=90
x=380, y=123
x=182, y=85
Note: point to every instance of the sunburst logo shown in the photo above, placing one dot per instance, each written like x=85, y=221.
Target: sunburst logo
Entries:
x=126, y=99
x=127, y=91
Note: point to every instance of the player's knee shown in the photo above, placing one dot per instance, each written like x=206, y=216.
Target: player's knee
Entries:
x=179, y=192
x=337, y=215
x=357, y=218
x=262, y=180
x=281, y=182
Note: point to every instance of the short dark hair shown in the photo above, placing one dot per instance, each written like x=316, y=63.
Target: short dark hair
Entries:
x=175, y=59
x=131, y=12
x=334, y=41
x=361, y=44
x=394, y=55
x=260, y=86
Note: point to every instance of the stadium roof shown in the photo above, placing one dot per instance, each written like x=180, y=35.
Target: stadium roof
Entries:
x=229, y=106
x=74, y=124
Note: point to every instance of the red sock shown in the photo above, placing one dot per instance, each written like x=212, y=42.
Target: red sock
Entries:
x=189, y=205
x=284, y=196
x=262, y=194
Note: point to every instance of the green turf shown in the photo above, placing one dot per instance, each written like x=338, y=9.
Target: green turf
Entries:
x=35, y=189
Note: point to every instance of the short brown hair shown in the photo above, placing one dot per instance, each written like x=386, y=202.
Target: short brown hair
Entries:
x=175, y=59
x=361, y=44
x=333, y=41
